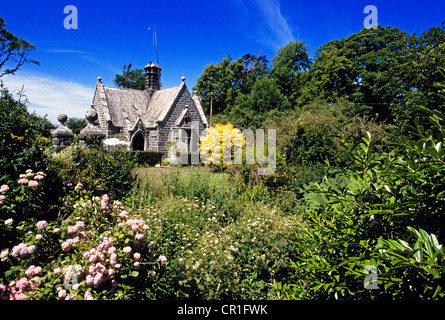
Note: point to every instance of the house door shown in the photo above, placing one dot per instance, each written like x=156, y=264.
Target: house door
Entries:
x=138, y=142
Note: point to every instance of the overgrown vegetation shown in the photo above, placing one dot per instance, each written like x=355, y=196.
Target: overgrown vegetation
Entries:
x=354, y=209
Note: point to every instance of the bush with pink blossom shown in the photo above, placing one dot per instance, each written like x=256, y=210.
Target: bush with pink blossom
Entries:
x=100, y=251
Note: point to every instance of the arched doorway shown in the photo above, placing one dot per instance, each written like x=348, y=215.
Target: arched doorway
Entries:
x=138, y=142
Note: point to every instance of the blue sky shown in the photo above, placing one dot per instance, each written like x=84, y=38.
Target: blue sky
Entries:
x=191, y=34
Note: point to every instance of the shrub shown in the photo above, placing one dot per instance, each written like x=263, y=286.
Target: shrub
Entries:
x=147, y=158
x=98, y=170
x=99, y=252
x=377, y=196
x=23, y=137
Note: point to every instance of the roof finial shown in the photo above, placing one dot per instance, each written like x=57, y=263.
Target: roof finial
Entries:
x=99, y=79
x=183, y=79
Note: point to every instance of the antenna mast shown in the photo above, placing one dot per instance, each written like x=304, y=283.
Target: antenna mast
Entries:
x=155, y=43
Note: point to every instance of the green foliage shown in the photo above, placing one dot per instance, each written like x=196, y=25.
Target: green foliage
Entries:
x=76, y=124
x=376, y=196
x=130, y=79
x=23, y=137
x=98, y=170
x=14, y=51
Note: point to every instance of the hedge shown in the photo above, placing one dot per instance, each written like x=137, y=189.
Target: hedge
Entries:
x=147, y=158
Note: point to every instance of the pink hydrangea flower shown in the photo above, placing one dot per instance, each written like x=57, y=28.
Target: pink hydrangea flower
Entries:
x=139, y=236
x=39, y=177
x=89, y=280
x=88, y=296
x=22, y=283
x=42, y=224
x=127, y=249
x=137, y=256
x=4, y=188
x=33, y=183
x=20, y=250
x=67, y=245
x=23, y=181
x=73, y=229
x=162, y=258
x=31, y=249
x=105, y=198
x=78, y=186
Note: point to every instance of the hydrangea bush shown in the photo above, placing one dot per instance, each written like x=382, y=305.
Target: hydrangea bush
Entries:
x=100, y=251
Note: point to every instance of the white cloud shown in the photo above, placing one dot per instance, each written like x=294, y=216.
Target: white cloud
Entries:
x=281, y=32
x=263, y=21
x=50, y=96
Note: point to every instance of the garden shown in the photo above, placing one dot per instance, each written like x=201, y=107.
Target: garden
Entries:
x=355, y=209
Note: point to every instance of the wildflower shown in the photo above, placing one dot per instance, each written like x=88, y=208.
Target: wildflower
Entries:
x=4, y=188
x=137, y=256
x=42, y=224
x=38, y=177
x=105, y=198
x=127, y=249
x=8, y=221
x=41, y=173
x=23, y=181
x=162, y=258
x=28, y=171
x=33, y=184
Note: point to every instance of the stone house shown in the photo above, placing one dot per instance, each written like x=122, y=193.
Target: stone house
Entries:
x=148, y=118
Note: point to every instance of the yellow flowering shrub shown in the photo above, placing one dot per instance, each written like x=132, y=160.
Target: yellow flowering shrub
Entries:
x=218, y=146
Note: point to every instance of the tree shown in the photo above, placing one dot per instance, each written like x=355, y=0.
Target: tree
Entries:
x=130, y=79
x=228, y=79
x=14, y=51
x=288, y=66
x=76, y=124
x=251, y=109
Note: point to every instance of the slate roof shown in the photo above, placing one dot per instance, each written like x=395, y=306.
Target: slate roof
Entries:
x=131, y=103
x=125, y=102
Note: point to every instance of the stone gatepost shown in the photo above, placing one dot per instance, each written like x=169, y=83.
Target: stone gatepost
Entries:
x=62, y=136
x=91, y=134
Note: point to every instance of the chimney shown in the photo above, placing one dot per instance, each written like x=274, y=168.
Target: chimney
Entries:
x=152, y=78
